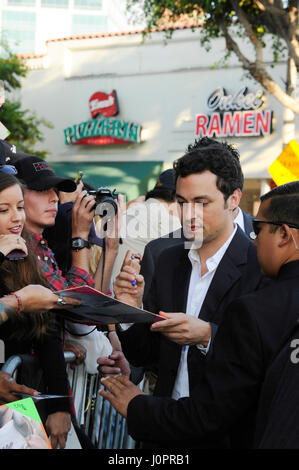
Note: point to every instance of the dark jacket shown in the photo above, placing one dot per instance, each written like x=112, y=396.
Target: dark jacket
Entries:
x=247, y=223
x=277, y=423
x=152, y=253
x=225, y=400
x=48, y=372
x=238, y=273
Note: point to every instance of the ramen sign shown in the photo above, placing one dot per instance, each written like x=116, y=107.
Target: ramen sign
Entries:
x=235, y=115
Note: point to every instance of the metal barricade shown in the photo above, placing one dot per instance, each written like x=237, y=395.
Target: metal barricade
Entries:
x=95, y=416
x=11, y=365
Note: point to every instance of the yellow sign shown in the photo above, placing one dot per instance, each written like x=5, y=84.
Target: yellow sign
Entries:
x=286, y=166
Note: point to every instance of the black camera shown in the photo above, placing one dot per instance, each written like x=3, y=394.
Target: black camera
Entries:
x=105, y=202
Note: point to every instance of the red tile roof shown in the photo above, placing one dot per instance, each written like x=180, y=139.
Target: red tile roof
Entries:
x=189, y=25
x=30, y=55
x=178, y=25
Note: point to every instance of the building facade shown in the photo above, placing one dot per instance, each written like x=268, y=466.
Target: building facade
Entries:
x=123, y=108
x=28, y=24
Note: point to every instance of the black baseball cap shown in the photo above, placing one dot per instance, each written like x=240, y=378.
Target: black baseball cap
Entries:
x=166, y=180
x=39, y=176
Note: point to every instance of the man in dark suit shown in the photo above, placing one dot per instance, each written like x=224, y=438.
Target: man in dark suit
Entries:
x=253, y=331
x=200, y=279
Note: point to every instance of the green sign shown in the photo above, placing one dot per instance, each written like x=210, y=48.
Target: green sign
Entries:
x=84, y=132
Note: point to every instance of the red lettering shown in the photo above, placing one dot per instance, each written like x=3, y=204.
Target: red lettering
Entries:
x=263, y=122
x=231, y=123
x=238, y=123
x=248, y=123
x=215, y=125
x=201, y=123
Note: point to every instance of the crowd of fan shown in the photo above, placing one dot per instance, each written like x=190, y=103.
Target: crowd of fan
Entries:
x=219, y=369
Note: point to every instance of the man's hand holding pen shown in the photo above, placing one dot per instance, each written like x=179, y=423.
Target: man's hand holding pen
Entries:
x=129, y=284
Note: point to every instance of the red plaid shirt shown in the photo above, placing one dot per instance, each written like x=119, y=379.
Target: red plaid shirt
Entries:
x=74, y=277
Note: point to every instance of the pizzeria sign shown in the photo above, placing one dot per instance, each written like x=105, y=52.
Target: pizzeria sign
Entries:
x=103, y=128
x=235, y=115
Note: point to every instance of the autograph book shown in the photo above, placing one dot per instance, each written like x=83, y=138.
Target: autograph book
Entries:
x=97, y=308
x=21, y=426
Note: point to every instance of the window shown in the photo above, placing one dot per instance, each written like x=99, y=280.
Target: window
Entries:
x=26, y=3
x=85, y=24
x=55, y=3
x=97, y=4
x=18, y=29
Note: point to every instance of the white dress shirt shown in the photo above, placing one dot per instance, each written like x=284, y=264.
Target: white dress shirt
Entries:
x=198, y=288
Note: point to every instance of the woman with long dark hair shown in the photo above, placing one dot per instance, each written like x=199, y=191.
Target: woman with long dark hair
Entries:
x=32, y=332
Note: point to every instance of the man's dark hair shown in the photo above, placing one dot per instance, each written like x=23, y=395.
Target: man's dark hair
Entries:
x=219, y=158
x=283, y=204
x=283, y=190
x=167, y=195
x=283, y=209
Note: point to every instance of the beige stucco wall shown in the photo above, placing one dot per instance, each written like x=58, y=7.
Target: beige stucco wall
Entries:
x=161, y=87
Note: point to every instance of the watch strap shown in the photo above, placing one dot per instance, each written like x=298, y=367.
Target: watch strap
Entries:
x=78, y=243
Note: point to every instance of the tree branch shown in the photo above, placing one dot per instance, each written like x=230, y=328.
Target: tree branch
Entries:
x=231, y=45
x=282, y=23
x=258, y=46
x=265, y=5
x=258, y=71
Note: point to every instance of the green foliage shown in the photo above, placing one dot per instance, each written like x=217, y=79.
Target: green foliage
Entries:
x=24, y=125
x=211, y=13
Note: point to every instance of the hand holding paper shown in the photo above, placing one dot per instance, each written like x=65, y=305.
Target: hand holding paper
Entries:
x=97, y=308
x=184, y=329
x=8, y=387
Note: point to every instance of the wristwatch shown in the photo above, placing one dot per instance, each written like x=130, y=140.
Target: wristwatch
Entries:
x=79, y=243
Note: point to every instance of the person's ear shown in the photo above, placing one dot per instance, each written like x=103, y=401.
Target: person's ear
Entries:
x=234, y=199
x=284, y=235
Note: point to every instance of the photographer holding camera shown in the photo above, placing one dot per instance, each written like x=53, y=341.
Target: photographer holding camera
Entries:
x=41, y=205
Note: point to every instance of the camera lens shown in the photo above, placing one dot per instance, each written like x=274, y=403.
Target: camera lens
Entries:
x=107, y=209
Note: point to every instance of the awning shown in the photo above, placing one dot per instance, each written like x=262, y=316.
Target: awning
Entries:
x=130, y=178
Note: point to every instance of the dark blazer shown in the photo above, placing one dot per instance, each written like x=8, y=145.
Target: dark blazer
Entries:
x=253, y=329
x=247, y=223
x=152, y=252
x=49, y=353
x=238, y=273
x=277, y=423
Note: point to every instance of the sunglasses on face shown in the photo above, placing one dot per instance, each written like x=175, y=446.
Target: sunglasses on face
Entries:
x=256, y=226
x=9, y=169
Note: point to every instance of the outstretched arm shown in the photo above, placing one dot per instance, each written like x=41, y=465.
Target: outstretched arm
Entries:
x=31, y=298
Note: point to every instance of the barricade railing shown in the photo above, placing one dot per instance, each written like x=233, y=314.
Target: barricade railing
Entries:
x=105, y=427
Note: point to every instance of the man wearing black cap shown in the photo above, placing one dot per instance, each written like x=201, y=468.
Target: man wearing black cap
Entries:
x=41, y=201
